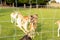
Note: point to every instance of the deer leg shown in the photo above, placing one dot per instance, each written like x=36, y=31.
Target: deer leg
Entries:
x=58, y=32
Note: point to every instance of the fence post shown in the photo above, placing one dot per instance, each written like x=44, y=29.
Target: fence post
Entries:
x=24, y=5
x=13, y=5
x=36, y=5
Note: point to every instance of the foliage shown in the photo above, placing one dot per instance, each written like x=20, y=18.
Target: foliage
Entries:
x=33, y=1
x=39, y=1
x=28, y=1
x=22, y=1
x=9, y=1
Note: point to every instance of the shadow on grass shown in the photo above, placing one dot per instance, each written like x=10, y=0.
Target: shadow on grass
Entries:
x=43, y=36
x=39, y=25
x=1, y=15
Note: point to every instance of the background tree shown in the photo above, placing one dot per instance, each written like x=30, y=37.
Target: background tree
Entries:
x=29, y=2
x=4, y=2
x=23, y=2
x=10, y=2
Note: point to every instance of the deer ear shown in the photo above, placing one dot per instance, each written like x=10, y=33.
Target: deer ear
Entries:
x=31, y=16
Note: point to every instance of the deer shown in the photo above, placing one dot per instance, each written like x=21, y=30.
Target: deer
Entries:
x=22, y=22
x=33, y=22
x=19, y=20
x=33, y=25
x=58, y=23
x=13, y=16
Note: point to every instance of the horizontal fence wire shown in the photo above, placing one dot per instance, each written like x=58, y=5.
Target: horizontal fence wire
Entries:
x=34, y=6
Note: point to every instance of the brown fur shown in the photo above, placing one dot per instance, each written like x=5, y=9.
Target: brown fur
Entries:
x=33, y=22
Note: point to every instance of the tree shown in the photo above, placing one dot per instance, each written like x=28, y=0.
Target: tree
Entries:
x=10, y=2
x=35, y=2
x=0, y=2
x=23, y=1
x=4, y=2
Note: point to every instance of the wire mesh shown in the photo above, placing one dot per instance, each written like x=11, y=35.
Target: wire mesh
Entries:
x=46, y=29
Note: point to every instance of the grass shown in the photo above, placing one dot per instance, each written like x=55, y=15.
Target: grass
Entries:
x=46, y=28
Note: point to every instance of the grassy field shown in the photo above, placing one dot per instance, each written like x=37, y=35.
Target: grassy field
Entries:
x=46, y=28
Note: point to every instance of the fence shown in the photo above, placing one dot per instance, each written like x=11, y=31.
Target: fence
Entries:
x=46, y=29
x=37, y=6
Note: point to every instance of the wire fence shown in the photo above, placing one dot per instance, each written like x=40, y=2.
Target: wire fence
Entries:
x=46, y=31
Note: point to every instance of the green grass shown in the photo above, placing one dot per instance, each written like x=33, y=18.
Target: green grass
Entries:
x=46, y=28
